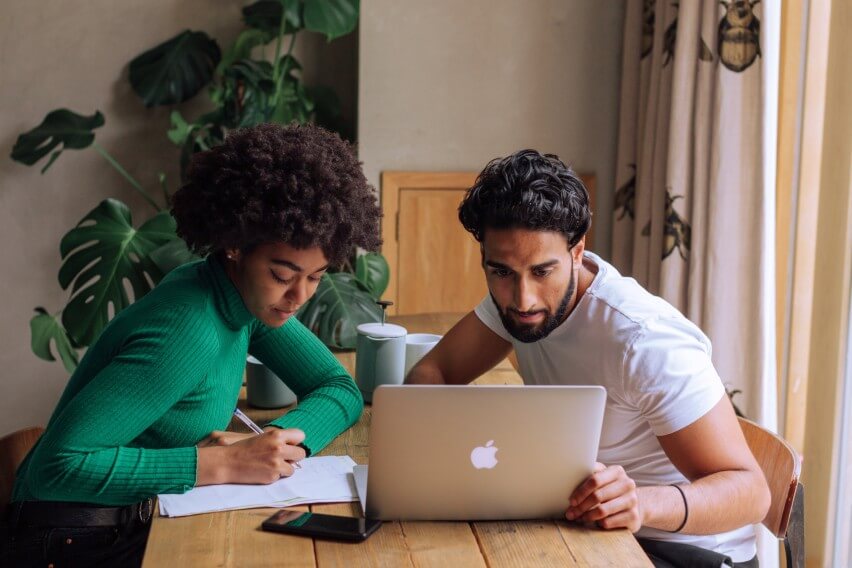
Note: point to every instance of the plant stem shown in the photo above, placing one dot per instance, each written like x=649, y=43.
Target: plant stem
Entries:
x=165, y=188
x=278, y=73
x=114, y=163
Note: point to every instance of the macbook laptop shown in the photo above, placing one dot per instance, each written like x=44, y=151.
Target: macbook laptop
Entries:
x=479, y=452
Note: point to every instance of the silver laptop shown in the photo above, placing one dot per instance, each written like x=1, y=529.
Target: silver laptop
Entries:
x=480, y=452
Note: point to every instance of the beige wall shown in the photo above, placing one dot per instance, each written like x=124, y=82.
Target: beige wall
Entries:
x=74, y=54
x=449, y=85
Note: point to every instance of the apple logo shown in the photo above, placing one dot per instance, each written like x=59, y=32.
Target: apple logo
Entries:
x=484, y=457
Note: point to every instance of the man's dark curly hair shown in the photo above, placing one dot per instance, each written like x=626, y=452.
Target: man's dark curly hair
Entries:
x=527, y=190
x=301, y=185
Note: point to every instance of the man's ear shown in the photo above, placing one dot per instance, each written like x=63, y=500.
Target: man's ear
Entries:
x=578, y=249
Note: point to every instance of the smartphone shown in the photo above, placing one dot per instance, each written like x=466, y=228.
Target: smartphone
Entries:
x=318, y=525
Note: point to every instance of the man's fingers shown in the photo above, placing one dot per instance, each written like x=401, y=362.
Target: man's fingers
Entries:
x=610, y=508
x=603, y=495
x=595, y=482
x=625, y=519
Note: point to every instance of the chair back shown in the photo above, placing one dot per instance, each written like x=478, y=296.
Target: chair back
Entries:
x=781, y=465
x=13, y=449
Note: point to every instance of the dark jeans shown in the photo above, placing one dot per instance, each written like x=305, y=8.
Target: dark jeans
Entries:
x=677, y=555
x=77, y=546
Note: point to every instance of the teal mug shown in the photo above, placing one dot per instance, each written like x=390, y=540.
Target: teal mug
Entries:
x=379, y=357
x=264, y=389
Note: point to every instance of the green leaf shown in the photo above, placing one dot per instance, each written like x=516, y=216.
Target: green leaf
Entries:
x=61, y=126
x=175, y=70
x=373, y=272
x=326, y=103
x=334, y=18
x=180, y=130
x=102, y=253
x=265, y=16
x=171, y=255
x=243, y=46
x=45, y=328
x=340, y=305
x=248, y=87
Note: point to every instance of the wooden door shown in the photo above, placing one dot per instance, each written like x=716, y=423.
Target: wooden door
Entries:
x=435, y=264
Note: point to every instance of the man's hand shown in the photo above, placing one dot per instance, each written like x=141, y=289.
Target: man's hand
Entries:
x=608, y=498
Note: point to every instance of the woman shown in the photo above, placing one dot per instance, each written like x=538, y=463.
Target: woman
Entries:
x=273, y=208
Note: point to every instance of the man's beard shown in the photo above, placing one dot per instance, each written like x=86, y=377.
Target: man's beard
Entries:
x=530, y=334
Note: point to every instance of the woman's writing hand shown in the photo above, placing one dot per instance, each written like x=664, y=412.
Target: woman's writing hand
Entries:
x=222, y=438
x=261, y=459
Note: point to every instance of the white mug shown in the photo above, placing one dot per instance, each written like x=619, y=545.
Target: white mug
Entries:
x=416, y=346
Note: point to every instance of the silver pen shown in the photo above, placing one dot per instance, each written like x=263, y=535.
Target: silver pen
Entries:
x=255, y=428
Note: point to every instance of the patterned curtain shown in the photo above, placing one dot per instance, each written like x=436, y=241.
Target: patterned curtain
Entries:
x=690, y=206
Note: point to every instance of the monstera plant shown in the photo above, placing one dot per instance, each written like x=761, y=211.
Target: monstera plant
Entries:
x=107, y=262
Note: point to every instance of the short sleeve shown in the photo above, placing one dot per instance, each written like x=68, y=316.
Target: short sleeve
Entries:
x=668, y=374
x=487, y=313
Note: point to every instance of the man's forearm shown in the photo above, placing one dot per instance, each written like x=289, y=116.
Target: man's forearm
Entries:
x=717, y=503
x=425, y=375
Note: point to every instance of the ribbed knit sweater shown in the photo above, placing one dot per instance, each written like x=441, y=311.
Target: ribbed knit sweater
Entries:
x=164, y=374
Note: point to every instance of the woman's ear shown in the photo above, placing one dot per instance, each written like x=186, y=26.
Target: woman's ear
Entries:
x=232, y=254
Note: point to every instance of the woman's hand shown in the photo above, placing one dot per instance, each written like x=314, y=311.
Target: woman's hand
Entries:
x=608, y=498
x=224, y=438
x=257, y=458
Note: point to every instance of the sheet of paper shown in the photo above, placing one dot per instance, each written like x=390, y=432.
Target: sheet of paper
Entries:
x=326, y=479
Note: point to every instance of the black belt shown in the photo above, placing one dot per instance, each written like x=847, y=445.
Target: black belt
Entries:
x=54, y=514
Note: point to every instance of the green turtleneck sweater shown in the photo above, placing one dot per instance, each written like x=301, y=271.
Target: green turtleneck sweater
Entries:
x=164, y=374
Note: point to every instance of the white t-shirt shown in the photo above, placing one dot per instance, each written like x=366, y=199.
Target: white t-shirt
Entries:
x=656, y=368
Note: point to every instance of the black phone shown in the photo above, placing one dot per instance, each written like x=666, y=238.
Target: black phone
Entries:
x=319, y=525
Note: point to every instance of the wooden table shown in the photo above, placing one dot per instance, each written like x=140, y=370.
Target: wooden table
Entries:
x=234, y=538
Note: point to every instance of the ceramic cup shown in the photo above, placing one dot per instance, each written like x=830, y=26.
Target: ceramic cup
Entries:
x=263, y=387
x=416, y=346
x=379, y=357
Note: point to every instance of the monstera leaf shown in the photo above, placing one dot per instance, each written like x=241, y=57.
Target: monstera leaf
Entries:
x=373, y=272
x=265, y=16
x=246, y=91
x=102, y=255
x=171, y=255
x=243, y=46
x=340, y=304
x=62, y=126
x=334, y=18
x=45, y=328
x=176, y=70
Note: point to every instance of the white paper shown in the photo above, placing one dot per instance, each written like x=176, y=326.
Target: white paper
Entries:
x=326, y=479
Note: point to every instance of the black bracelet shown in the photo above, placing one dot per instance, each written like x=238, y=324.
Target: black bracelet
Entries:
x=685, y=509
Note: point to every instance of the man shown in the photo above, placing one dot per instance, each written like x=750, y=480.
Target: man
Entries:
x=677, y=471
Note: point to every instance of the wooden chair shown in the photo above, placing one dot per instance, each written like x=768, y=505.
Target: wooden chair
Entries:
x=13, y=450
x=781, y=465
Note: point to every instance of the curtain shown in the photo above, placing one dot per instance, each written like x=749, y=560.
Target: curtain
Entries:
x=694, y=206
x=691, y=206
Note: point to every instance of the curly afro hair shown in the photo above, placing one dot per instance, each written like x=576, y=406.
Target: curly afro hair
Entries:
x=527, y=190
x=298, y=184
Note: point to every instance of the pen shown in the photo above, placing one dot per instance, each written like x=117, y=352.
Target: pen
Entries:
x=255, y=428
